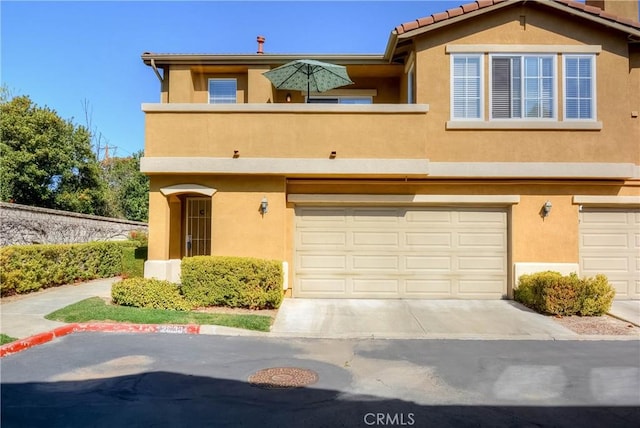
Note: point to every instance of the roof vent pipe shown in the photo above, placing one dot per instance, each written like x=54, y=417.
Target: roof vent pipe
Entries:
x=260, y=40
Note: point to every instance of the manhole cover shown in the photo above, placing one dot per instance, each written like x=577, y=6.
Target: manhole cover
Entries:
x=283, y=377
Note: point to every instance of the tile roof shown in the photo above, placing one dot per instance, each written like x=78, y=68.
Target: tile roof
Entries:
x=481, y=4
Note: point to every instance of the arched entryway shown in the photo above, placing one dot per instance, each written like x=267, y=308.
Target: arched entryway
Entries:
x=190, y=207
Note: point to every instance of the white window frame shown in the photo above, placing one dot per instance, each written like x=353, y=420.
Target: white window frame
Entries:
x=594, y=103
x=220, y=79
x=480, y=117
x=554, y=87
x=410, y=71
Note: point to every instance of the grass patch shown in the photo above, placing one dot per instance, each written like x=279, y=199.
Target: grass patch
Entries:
x=95, y=309
x=133, y=262
x=4, y=339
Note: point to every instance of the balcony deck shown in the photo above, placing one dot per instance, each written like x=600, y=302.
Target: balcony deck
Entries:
x=374, y=131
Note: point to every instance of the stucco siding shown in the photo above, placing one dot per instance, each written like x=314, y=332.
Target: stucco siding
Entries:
x=615, y=142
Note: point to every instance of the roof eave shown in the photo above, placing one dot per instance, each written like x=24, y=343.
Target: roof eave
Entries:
x=597, y=19
x=254, y=59
x=552, y=4
x=451, y=21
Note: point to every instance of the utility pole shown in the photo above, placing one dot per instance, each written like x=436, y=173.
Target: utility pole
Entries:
x=106, y=152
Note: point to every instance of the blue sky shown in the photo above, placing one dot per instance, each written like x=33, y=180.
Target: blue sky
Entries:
x=63, y=53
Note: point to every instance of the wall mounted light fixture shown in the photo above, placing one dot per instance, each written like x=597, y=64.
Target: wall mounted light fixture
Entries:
x=332, y=155
x=288, y=98
x=546, y=208
x=264, y=205
x=236, y=154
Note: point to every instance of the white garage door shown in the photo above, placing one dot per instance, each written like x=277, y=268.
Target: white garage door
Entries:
x=423, y=253
x=610, y=244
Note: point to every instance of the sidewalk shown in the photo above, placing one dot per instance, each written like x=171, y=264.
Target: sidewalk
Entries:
x=626, y=310
x=23, y=316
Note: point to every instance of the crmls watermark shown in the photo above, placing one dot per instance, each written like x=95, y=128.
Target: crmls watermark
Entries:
x=389, y=419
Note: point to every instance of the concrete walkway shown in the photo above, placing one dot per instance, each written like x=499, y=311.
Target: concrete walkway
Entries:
x=627, y=310
x=23, y=316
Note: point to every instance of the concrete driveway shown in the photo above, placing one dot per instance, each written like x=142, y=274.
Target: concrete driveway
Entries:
x=463, y=319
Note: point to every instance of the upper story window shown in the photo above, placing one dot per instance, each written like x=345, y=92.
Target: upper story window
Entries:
x=411, y=84
x=579, y=88
x=222, y=91
x=523, y=86
x=526, y=89
x=466, y=87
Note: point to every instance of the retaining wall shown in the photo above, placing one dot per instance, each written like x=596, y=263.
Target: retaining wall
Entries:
x=21, y=224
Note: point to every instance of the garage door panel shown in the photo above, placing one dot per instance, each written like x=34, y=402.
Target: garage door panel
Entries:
x=322, y=215
x=481, y=240
x=372, y=263
x=399, y=252
x=606, y=218
x=321, y=239
x=480, y=287
x=327, y=286
x=605, y=240
x=429, y=217
x=426, y=239
x=490, y=218
x=428, y=264
x=602, y=264
x=372, y=285
x=363, y=216
x=319, y=262
x=481, y=264
x=426, y=288
x=377, y=239
x=620, y=287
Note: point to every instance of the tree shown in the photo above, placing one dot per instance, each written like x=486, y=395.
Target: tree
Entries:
x=128, y=187
x=47, y=161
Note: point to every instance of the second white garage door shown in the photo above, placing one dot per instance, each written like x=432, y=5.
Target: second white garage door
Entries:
x=610, y=244
x=424, y=253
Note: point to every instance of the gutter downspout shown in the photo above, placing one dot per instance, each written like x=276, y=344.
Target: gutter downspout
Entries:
x=155, y=70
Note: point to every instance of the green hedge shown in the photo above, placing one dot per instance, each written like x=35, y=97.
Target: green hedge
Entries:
x=133, y=259
x=232, y=281
x=149, y=293
x=27, y=268
x=551, y=293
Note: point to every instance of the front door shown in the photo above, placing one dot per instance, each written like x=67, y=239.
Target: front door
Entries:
x=198, y=227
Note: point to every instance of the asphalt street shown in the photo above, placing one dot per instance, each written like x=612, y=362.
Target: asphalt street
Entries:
x=164, y=380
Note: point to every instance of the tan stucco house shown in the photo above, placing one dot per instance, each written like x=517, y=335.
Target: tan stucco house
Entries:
x=489, y=140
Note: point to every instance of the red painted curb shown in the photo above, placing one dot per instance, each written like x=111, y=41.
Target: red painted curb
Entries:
x=65, y=329
x=39, y=339
x=141, y=328
x=21, y=345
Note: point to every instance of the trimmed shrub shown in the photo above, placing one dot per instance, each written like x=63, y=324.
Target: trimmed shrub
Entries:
x=562, y=297
x=27, y=268
x=149, y=293
x=529, y=291
x=596, y=296
x=133, y=262
x=232, y=281
x=551, y=293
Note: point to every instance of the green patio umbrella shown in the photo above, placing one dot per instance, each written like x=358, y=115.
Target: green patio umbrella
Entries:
x=308, y=74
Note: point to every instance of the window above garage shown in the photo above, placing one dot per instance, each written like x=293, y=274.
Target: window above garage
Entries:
x=522, y=87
